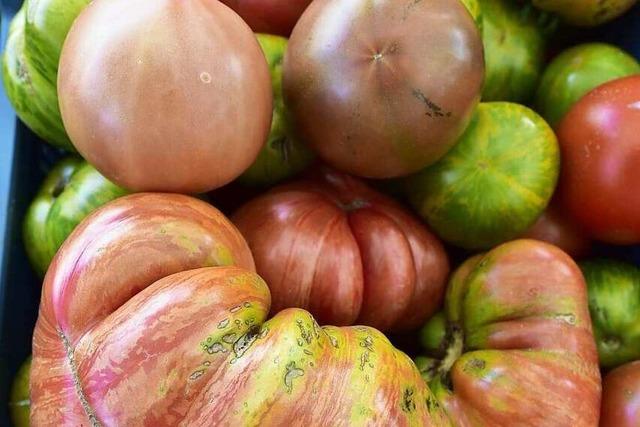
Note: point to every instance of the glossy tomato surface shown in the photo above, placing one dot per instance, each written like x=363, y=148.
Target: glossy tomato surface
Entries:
x=71, y=191
x=614, y=302
x=196, y=346
x=496, y=181
x=600, y=177
x=575, y=72
x=116, y=252
x=381, y=89
x=175, y=97
x=345, y=252
x=517, y=348
x=621, y=397
x=514, y=46
x=269, y=16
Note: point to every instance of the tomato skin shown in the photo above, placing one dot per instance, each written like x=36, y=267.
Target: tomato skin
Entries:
x=614, y=302
x=575, y=72
x=269, y=16
x=600, y=177
x=156, y=102
x=554, y=227
x=621, y=397
x=348, y=254
x=380, y=90
x=496, y=181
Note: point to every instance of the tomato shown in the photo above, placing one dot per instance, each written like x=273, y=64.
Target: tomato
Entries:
x=136, y=328
x=71, y=191
x=614, y=302
x=30, y=65
x=554, y=227
x=269, y=16
x=586, y=13
x=575, y=72
x=346, y=253
x=176, y=97
x=19, y=404
x=514, y=47
x=134, y=241
x=516, y=348
x=600, y=142
x=283, y=155
x=381, y=89
x=621, y=397
x=494, y=184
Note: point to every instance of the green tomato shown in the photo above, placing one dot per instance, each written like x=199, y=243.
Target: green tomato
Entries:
x=283, y=155
x=30, y=64
x=19, y=403
x=577, y=71
x=71, y=191
x=614, y=303
x=32, y=95
x=46, y=26
x=494, y=184
x=433, y=334
x=585, y=13
x=514, y=46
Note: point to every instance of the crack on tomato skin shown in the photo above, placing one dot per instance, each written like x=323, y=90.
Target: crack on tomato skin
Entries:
x=569, y=318
x=245, y=342
x=84, y=402
x=292, y=372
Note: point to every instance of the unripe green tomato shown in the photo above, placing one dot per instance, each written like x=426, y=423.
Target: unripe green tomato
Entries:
x=514, y=45
x=283, y=155
x=585, y=13
x=494, y=184
x=577, y=71
x=614, y=303
x=71, y=191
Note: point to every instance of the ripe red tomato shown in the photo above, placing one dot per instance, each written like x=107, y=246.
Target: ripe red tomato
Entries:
x=621, y=397
x=269, y=16
x=600, y=142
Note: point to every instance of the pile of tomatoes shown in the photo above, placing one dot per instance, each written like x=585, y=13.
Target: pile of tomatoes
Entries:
x=235, y=174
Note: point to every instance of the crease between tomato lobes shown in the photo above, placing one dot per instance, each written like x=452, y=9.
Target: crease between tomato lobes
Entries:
x=330, y=244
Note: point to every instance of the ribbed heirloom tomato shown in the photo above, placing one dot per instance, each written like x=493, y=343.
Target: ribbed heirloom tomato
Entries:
x=600, y=174
x=145, y=322
x=346, y=253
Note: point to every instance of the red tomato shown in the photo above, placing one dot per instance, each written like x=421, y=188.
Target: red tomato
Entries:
x=554, y=227
x=269, y=16
x=348, y=254
x=600, y=142
x=621, y=397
